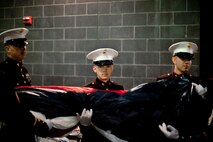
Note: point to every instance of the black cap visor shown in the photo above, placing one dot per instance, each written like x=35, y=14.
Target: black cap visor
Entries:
x=185, y=56
x=103, y=63
x=20, y=42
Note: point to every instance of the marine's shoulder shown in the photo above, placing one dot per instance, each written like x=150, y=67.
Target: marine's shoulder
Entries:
x=164, y=76
x=3, y=65
x=2, y=62
x=118, y=86
x=89, y=84
x=115, y=83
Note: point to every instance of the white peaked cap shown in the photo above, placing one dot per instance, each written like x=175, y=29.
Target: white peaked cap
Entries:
x=102, y=54
x=13, y=34
x=184, y=46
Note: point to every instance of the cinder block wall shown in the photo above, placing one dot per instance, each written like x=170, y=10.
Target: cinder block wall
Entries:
x=64, y=31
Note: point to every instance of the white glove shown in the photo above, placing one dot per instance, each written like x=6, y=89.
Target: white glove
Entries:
x=199, y=89
x=85, y=118
x=169, y=131
x=49, y=123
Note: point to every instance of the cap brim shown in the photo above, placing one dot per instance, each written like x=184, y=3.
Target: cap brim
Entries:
x=103, y=63
x=21, y=42
x=184, y=56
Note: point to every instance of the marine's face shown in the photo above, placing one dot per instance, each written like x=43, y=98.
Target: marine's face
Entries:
x=181, y=65
x=16, y=53
x=103, y=72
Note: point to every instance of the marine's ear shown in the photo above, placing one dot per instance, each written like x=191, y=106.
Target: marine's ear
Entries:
x=94, y=68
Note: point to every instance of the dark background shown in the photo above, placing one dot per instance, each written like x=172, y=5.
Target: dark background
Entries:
x=206, y=40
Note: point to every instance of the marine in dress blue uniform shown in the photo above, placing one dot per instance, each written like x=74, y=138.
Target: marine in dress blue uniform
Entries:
x=184, y=51
x=13, y=67
x=182, y=56
x=102, y=59
x=16, y=122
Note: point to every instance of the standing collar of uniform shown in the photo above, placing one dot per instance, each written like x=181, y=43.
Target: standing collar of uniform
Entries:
x=179, y=75
x=100, y=82
x=186, y=77
x=11, y=61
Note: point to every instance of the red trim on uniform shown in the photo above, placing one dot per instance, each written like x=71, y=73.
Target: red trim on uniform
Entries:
x=86, y=90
